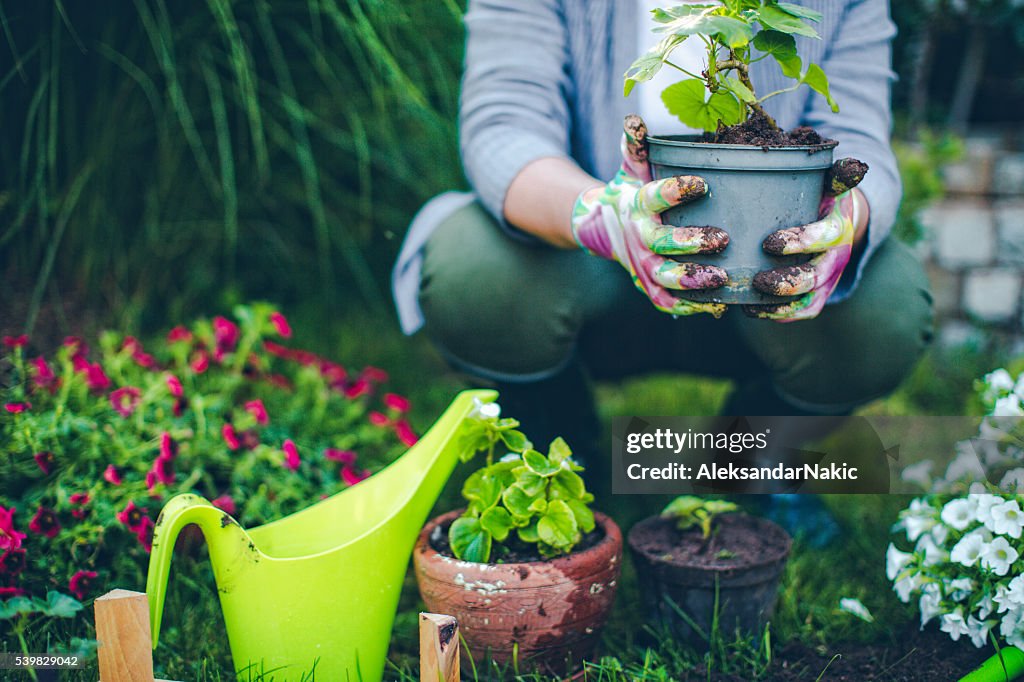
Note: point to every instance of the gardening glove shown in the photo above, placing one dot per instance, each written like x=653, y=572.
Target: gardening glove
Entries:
x=620, y=221
x=830, y=239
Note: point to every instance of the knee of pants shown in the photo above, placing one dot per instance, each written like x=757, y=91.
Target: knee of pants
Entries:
x=492, y=305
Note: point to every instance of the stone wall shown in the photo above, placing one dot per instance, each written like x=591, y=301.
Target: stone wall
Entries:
x=974, y=244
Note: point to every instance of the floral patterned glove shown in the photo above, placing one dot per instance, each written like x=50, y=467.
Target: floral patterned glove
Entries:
x=620, y=221
x=830, y=239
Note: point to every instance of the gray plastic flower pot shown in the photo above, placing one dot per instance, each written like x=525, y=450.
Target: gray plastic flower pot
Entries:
x=753, y=191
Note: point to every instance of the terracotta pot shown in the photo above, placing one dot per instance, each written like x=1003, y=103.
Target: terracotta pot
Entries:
x=551, y=611
x=674, y=579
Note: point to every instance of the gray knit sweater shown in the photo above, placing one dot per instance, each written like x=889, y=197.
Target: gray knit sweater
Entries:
x=543, y=78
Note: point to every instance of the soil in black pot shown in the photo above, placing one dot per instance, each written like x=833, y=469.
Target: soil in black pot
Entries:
x=760, y=131
x=513, y=551
x=736, y=543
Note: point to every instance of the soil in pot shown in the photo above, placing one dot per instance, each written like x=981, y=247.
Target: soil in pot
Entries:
x=759, y=131
x=545, y=614
x=683, y=576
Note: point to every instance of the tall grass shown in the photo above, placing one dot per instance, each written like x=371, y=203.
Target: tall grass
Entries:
x=161, y=157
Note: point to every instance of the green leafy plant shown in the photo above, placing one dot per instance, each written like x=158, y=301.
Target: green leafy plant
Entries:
x=526, y=499
x=690, y=511
x=736, y=34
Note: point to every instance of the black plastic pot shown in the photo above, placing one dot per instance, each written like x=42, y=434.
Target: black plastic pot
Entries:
x=679, y=592
x=753, y=192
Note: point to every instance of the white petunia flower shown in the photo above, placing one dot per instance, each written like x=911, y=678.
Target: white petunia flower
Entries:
x=1014, y=592
x=959, y=589
x=985, y=607
x=895, y=561
x=940, y=533
x=998, y=556
x=966, y=464
x=954, y=624
x=920, y=473
x=856, y=608
x=905, y=587
x=1002, y=598
x=957, y=513
x=977, y=630
x=1010, y=626
x=999, y=381
x=917, y=519
x=1008, y=406
x=930, y=607
x=1006, y=519
x=1018, y=388
x=932, y=552
x=968, y=550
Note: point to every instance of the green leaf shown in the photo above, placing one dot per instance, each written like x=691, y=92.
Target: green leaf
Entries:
x=483, y=488
x=559, y=451
x=685, y=100
x=567, y=486
x=514, y=440
x=469, y=540
x=496, y=521
x=529, y=533
x=558, y=526
x=669, y=14
x=736, y=87
x=684, y=505
x=720, y=506
x=800, y=11
x=532, y=484
x=818, y=81
x=539, y=506
x=539, y=464
x=782, y=47
x=61, y=605
x=583, y=514
x=771, y=16
x=647, y=65
x=729, y=30
x=19, y=605
x=517, y=500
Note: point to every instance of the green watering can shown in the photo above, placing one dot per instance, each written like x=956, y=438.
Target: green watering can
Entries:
x=322, y=585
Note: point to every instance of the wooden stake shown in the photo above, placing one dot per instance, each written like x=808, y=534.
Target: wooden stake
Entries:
x=122, y=629
x=439, y=648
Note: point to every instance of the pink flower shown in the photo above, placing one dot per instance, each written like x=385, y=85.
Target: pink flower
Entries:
x=42, y=376
x=168, y=446
x=17, y=408
x=125, y=400
x=357, y=388
x=81, y=583
x=256, y=409
x=95, y=378
x=9, y=538
x=351, y=476
x=8, y=592
x=291, y=455
x=151, y=481
x=80, y=499
x=277, y=350
x=112, y=475
x=178, y=334
x=225, y=332
x=77, y=346
x=343, y=456
x=375, y=374
x=405, y=433
x=16, y=341
x=163, y=470
x=174, y=385
x=333, y=373
x=378, y=418
x=12, y=562
x=200, y=361
x=230, y=437
x=281, y=325
x=45, y=523
x=225, y=503
x=396, y=402
x=145, y=533
x=45, y=461
x=132, y=516
x=141, y=358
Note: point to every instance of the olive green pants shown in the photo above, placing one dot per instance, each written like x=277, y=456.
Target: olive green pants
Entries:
x=509, y=311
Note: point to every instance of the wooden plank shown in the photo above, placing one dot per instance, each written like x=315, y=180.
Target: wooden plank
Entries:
x=122, y=630
x=439, y=648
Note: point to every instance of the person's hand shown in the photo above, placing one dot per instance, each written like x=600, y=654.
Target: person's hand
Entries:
x=620, y=221
x=830, y=239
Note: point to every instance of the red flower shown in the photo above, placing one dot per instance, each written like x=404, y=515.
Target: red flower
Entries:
x=168, y=446
x=258, y=411
x=333, y=373
x=343, y=456
x=45, y=461
x=230, y=437
x=174, y=385
x=179, y=333
x=225, y=503
x=125, y=400
x=142, y=359
x=16, y=341
x=132, y=516
x=277, y=350
x=357, y=388
x=375, y=374
x=405, y=433
x=42, y=376
x=112, y=475
x=8, y=592
x=351, y=476
x=163, y=470
x=77, y=346
x=225, y=332
x=396, y=402
x=291, y=455
x=45, y=523
x=12, y=562
x=9, y=538
x=81, y=583
x=200, y=361
x=17, y=408
x=95, y=378
x=379, y=418
x=281, y=325
x=80, y=498
x=145, y=533
x=151, y=481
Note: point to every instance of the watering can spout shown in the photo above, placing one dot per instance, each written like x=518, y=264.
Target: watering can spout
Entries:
x=231, y=550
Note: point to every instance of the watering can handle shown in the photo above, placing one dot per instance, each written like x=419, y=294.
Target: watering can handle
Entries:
x=179, y=511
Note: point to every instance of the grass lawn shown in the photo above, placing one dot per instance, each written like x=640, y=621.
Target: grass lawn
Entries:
x=808, y=621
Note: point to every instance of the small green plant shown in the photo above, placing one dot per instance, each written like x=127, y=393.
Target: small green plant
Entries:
x=690, y=511
x=526, y=499
x=736, y=34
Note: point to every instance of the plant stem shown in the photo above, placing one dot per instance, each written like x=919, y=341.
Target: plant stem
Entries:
x=691, y=75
